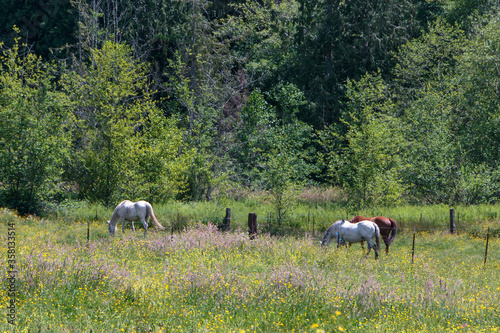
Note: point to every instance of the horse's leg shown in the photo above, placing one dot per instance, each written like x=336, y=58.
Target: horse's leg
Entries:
x=386, y=241
x=145, y=225
x=371, y=245
x=123, y=225
x=369, y=248
x=363, y=246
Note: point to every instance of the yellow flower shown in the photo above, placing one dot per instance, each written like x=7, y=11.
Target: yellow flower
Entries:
x=314, y=326
x=341, y=329
x=338, y=313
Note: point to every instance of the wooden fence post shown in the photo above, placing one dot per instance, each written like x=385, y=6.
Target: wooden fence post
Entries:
x=452, y=221
x=313, y=224
x=226, y=224
x=309, y=220
x=88, y=232
x=252, y=225
x=487, y=241
x=413, y=247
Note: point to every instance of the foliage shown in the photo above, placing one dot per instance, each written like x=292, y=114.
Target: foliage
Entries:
x=48, y=28
x=273, y=154
x=105, y=144
x=443, y=112
x=262, y=34
x=479, y=82
x=162, y=159
x=117, y=154
x=369, y=157
x=201, y=136
x=393, y=101
x=33, y=130
x=340, y=40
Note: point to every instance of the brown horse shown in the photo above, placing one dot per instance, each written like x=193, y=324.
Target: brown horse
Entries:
x=388, y=228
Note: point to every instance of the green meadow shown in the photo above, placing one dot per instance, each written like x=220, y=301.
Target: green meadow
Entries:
x=199, y=279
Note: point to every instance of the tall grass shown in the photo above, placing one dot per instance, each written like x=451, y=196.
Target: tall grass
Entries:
x=309, y=212
x=202, y=280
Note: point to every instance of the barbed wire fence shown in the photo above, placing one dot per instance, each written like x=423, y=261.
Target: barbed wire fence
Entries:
x=313, y=226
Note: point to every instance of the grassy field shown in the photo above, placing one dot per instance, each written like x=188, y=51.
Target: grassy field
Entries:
x=307, y=215
x=202, y=280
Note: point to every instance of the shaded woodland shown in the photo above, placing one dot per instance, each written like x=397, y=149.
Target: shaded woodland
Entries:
x=391, y=101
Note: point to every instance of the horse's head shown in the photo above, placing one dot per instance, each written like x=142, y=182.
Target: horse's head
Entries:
x=111, y=228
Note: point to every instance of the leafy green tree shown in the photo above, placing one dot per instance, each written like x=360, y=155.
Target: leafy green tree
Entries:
x=340, y=40
x=425, y=78
x=479, y=82
x=478, y=114
x=107, y=99
x=261, y=34
x=33, y=130
x=274, y=152
x=201, y=135
x=367, y=160
x=463, y=13
x=163, y=160
x=47, y=26
x=201, y=84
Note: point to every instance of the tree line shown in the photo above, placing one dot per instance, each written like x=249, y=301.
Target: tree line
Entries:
x=393, y=101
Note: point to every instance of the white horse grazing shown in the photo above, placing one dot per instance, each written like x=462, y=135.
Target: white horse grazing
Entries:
x=354, y=233
x=133, y=211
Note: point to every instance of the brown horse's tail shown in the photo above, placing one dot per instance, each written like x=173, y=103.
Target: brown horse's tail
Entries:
x=394, y=228
x=153, y=217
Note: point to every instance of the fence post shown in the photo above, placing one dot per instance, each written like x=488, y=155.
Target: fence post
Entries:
x=313, y=224
x=413, y=247
x=88, y=232
x=452, y=221
x=308, y=223
x=252, y=225
x=487, y=241
x=226, y=225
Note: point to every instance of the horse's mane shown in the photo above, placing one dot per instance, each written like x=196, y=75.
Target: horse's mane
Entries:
x=115, y=216
x=330, y=232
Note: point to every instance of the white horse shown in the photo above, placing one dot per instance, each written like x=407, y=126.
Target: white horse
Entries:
x=132, y=211
x=354, y=233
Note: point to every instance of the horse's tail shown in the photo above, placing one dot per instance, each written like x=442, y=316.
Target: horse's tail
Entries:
x=153, y=217
x=377, y=236
x=394, y=227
